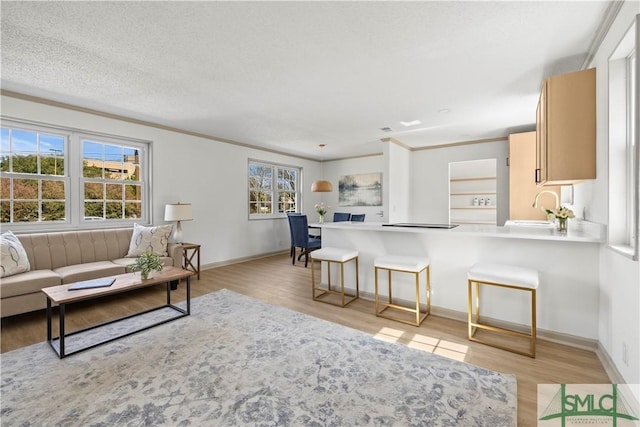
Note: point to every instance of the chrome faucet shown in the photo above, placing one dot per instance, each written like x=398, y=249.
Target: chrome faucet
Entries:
x=535, y=201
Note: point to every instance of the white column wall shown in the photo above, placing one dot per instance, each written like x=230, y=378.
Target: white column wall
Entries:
x=619, y=276
x=400, y=182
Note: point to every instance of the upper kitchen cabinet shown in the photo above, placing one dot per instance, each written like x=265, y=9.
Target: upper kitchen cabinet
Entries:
x=522, y=186
x=566, y=129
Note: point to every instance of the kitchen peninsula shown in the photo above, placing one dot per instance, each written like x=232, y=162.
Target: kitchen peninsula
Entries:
x=568, y=264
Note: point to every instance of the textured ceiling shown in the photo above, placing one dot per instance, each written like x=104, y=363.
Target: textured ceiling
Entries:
x=292, y=75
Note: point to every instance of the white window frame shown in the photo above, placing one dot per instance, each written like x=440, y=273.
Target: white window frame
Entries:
x=624, y=123
x=73, y=158
x=274, y=189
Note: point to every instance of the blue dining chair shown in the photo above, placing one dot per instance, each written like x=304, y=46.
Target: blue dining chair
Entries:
x=357, y=217
x=292, y=252
x=300, y=235
x=341, y=216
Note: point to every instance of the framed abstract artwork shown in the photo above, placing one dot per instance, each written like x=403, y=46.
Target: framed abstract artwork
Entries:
x=360, y=190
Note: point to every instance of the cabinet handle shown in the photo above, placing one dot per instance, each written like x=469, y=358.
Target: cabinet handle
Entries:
x=537, y=176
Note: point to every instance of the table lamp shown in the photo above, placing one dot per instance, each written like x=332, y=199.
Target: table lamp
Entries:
x=178, y=212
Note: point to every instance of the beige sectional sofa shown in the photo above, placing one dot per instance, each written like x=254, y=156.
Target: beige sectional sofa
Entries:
x=66, y=257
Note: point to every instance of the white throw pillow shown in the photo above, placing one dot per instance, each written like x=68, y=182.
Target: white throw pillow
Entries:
x=13, y=258
x=149, y=239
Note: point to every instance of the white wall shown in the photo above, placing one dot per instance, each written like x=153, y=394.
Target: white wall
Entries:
x=430, y=179
x=619, y=313
x=211, y=175
x=333, y=170
x=399, y=183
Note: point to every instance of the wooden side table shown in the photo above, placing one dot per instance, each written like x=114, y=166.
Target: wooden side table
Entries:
x=189, y=252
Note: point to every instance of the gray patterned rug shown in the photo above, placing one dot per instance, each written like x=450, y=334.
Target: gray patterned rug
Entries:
x=239, y=362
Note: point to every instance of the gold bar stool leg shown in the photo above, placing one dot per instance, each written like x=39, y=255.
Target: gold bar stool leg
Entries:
x=428, y=277
x=477, y=302
x=533, y=322
x=389, y=285
x=375, y=294
x=340, y=256
x=342, y=282
x=508, y=277
x=417, y=298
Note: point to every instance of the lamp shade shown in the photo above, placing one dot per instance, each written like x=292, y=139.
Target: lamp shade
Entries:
x=178, y=212
x=321, y=186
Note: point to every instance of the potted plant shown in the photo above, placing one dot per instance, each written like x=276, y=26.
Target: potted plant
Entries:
x=562, y=214
x=145, y=263
x=322, y=210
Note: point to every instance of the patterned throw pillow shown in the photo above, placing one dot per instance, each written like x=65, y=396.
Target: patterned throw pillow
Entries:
x=13, y=259
x=149, y=239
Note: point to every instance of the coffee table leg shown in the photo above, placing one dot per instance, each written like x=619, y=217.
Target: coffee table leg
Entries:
x=168, y=293
x=188, y=294
x=61, y=311
x=49, y=320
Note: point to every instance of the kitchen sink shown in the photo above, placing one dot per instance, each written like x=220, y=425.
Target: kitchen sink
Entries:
x=529, y=223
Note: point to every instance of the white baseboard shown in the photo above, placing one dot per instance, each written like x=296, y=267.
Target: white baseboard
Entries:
x=239, y=260
x=609, y=367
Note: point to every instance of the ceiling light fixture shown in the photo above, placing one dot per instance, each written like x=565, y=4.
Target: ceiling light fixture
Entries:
x=321, y=186
x=411, y=123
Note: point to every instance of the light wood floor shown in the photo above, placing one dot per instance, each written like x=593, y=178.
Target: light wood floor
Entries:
x=274, y=280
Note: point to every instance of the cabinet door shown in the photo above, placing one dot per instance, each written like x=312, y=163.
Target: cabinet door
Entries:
x=540, y=166
x=522, y=185
x=566, y=121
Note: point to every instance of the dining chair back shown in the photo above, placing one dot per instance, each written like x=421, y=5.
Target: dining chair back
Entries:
x=292, y=251
x=300, y=237
x=341, y=216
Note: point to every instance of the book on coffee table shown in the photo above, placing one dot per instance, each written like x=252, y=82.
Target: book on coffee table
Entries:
x=95, y=283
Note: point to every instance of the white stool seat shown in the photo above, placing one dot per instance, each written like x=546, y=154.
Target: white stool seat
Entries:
x=498, y=273
x=334, y=254
x=401, y=263
x=330, y=255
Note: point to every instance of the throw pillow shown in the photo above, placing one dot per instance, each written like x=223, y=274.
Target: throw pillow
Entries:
x=13, y=259
x=149, y=239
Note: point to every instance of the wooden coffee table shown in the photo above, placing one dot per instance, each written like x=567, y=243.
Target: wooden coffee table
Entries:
x=62, y=296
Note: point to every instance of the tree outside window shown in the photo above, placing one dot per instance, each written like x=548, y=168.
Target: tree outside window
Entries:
x=273, y=189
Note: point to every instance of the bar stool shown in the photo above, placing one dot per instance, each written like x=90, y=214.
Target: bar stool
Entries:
x=404, y=264
x=339, y=256
x=504, y=276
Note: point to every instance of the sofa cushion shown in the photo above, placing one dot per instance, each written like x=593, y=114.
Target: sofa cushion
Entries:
x=13, y=258
x=48, y=251
x=88, y=271
x=29, y=282
x=149, y=239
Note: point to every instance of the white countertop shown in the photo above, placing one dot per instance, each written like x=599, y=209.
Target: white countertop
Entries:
x=579, y=231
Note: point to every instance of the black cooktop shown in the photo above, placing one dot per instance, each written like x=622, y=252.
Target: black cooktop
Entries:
x=419, y=225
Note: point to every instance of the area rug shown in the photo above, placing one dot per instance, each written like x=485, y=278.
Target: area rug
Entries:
x=239, y=362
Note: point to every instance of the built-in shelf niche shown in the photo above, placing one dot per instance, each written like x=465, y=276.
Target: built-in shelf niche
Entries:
x=472, y=192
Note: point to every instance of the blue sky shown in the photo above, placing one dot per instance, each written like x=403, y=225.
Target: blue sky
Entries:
x=26, y=142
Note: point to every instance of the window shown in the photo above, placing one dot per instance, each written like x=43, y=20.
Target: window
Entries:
x=57, y=176
x=623, y=148
x=111, y=181
x=273, y=189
